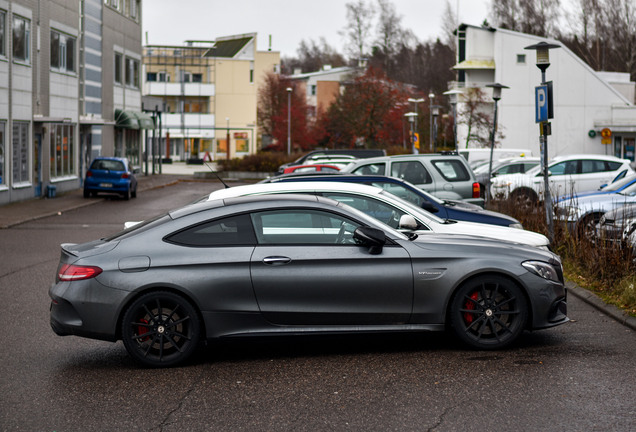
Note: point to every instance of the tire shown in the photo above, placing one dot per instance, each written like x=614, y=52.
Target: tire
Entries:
x=524, y=199
x=161, y=329
x=586, y=228
x=134, y=193
x=126, y=194
x=488, y=312
x=87, y=194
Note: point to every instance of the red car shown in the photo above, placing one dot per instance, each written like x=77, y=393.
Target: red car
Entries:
x=311, y=168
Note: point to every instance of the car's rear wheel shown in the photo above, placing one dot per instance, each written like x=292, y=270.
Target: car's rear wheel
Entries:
x=524, y=199
x=126, y=194
x=488, y=312
x=586, y=228
x=161, y=329
x=86, y=193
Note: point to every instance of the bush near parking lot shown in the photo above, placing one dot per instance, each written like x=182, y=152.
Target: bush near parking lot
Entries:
x=259, y=162
x=608, y=270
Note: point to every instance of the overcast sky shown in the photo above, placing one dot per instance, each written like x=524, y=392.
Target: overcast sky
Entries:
x=169, y=22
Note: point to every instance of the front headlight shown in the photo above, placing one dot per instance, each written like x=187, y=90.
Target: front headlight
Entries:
x=541, y=269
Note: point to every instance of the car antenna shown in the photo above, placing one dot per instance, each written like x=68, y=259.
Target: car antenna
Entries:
x=217, y=175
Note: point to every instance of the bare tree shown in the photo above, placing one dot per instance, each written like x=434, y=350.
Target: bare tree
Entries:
x=449, y=25
x=312, y=56
x=537, y=17
x=358, y=30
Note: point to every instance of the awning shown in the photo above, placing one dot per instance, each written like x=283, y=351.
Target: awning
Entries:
x=475, y=64
x=145, y=120
x=126, y=119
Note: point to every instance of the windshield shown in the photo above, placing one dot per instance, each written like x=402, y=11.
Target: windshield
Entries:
x=619, y=183
x=402, y=191
x=412, y=209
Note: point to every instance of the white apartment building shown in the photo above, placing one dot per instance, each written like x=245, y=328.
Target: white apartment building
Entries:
x=585, y=101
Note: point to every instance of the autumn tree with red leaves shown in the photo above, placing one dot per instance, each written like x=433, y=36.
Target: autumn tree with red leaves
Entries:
x=273, y=114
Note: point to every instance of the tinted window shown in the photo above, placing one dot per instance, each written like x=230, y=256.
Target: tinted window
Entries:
x=110, y=165
x=400, y=191
x=234, y=230
x=370, y=169
x=452, y=170
x=412, y=171
x=370, y=206
x=302, y=227
x=564, y=168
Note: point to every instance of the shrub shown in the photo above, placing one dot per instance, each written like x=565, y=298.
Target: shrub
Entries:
x=259, y=162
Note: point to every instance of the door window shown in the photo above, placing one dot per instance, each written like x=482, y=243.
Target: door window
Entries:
x=452, y=170
x=370, y=169
x=230, y=231
x=411, y=171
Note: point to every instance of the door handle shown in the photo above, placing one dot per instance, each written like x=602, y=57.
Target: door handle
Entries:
x=276, y=260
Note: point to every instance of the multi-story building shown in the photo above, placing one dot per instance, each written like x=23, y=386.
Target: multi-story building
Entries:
x=321, y=88
x=69, y=74
x=208, y=92
x=586, y=102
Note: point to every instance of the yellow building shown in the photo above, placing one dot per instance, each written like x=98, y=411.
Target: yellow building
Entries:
x=208, y=92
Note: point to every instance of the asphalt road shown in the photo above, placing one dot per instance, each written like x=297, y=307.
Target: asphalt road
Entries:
x=577, y=377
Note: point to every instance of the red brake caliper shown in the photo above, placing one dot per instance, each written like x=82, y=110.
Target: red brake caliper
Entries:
x=468, y=316
x=143, y=330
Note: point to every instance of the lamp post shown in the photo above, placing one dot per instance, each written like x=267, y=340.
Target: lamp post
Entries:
x=452, y=95
x=431, y=97
x=414, y=120
x=434, y=113
x=496, y=95
x=289, y=92
x=227, y=139
x=543, y=62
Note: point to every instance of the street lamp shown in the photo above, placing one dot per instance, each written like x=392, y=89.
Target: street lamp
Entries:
x=414, y=120
x=227, y=139
x=434, y=113
x=496, y=95
x=289, y=92
x=431, y=96
x=452, y=95
x=543, y=62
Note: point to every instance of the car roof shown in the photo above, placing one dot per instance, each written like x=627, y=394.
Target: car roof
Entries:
x=561, y=158
x=291, y=187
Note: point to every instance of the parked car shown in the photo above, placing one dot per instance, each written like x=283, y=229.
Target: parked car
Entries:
x=112, y=175
x=387, y=208
x=333, y=153
x=502, y=166
x=446, y=176
x=617, y=185
x=311, y=168
x=582, y=214
x=567, y=175
x=475, y=156
x=618, y=224
x=295, y=265
x=444, y=209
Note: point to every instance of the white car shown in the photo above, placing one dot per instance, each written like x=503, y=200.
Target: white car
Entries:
x=567, y=175
x=388, y=208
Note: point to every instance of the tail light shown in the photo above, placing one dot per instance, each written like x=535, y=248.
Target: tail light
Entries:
x=70, y=272
x=125, y=175
x=89, y=173
x=475, y=190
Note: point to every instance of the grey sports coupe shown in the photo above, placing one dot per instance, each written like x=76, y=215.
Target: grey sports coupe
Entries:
x=295, y=264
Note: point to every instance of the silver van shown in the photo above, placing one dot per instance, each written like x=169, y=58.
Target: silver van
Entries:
x=446, y=176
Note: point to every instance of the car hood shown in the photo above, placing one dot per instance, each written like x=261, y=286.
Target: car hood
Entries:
x=495, y=232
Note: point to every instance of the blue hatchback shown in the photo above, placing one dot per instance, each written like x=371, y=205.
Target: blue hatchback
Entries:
x=445, y=209
x=110, y=175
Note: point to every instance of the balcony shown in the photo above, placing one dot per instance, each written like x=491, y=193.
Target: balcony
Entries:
x=193, y=125
x=178, y=89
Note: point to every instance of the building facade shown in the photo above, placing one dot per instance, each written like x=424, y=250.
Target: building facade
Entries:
x=321, y=88
x=209, y=93
x=585, y=102
x=59, y=94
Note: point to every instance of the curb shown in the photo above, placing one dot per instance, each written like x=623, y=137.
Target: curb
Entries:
x=595, y=301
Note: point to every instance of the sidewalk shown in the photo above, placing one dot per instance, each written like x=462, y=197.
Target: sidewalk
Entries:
x=13, y=214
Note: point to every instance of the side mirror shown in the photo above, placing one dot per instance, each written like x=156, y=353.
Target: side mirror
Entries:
x=429, y=207
x=408, y=222
x=372, y=238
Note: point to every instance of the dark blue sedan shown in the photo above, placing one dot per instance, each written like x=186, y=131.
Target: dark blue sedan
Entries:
x=112, y=175
x=445, y=209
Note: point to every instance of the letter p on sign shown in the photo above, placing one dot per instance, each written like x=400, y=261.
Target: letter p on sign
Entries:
x=541, y=103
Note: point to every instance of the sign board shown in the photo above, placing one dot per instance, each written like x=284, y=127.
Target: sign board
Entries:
x=606, y=136
x=541, y=103
x=416, y=140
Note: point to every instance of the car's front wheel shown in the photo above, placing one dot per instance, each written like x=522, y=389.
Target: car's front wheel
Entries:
x=161, y=329
x=488, y=312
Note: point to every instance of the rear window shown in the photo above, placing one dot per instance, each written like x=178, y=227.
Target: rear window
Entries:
x=233, y=230
x=371, y=169
x=452, y=170
x=108, y=165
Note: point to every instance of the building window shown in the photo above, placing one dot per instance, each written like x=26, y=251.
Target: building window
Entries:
x=62, y=150
x=132, y=72
x=164, y=77
x=20, y=161
x=21, y=37
x=3, y=38
x=118, y=58
x=313, y=90
x=197, y=78
x=134, y=5
x=62, y=52
x=3, y=179
x=151, y=76
x=521, y=58
x=251, y=72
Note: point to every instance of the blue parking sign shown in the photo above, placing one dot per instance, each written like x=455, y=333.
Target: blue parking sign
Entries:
x=541, y=103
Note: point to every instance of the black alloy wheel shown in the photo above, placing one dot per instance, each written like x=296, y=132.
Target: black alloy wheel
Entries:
x=488, y=312
x=161, y=329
